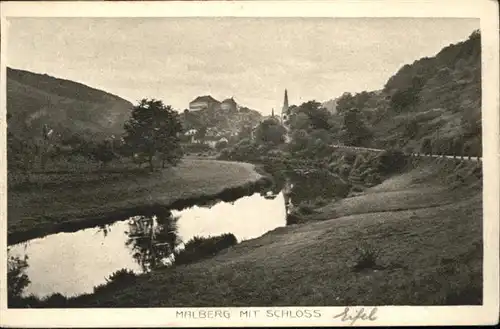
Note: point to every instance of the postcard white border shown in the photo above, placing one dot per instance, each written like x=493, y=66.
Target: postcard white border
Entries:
x=486, y=10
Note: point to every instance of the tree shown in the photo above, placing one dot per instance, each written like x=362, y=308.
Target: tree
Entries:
x=153, y=128
x=17, y=279
x=299, y=141
x=319, y=117
x=170, y=152
x=201, y=133
x=404, y=100
x=270, y=131
x=410, y=129
x=299, y=121
x=103, y=152
x=245, y=132
x=457, y=145
x=345, y=103
x=354, y=130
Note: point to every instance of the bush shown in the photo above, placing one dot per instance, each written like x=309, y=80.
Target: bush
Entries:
x=199, y=248
x=373, y=179
x=123, y=277
x=221, y=145
x=55, y=300
x=294, y=218
x=305, y=209
x=391, y=161
x=366, y=258
x=345, y=170
x=196, y=147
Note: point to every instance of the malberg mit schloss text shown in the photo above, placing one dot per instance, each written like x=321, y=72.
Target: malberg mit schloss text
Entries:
x=248, y=313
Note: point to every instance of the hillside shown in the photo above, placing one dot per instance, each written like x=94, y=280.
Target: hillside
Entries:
x=222, y=121
x=65, y=106
x=437, y=99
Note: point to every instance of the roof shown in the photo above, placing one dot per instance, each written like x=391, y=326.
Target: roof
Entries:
x=229, y=100
x=206, y=98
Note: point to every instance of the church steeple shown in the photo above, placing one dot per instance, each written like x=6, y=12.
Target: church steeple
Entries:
x=272, y=113
x=284, y=110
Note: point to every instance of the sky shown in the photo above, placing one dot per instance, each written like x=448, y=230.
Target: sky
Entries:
x=250, y=59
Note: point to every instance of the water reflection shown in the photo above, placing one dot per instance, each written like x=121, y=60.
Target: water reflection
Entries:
x=17, y=279
x=247, y=218
x=73, y=263
x=104, y=229
x=152, y=239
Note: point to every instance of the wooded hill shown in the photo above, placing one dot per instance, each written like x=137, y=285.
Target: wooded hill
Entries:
x=434, y=103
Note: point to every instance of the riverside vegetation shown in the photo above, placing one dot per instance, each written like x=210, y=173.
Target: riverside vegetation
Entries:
x=386, y=228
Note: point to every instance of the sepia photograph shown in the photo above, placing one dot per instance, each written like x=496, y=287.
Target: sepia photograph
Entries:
x=247, y=166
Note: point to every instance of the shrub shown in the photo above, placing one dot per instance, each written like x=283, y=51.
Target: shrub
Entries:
x=356, y=189
x=373, y=179
x=391, y=161
x=349, y=157
x=123, y=277
x=426, y=146
x=344, y=170
x=224, y=155
x=294, y=218
x=196, y=147
x=305, y=209
x=221, y=145
x=366, y=258
x=55, y=300
x=199, y=248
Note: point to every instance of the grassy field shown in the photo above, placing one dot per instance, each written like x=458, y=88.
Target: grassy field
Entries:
x=370, y=252
x=55, y=200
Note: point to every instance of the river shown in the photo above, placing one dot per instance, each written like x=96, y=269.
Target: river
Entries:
x=73, y=263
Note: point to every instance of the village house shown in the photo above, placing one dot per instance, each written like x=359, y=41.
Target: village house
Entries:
x=212, y=142
x=191, y=133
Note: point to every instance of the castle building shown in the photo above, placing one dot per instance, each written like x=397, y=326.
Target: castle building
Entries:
x=229, y=104
x=204, y=102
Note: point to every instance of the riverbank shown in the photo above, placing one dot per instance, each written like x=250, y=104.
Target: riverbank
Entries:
x=54, y=202
x=415, y=239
